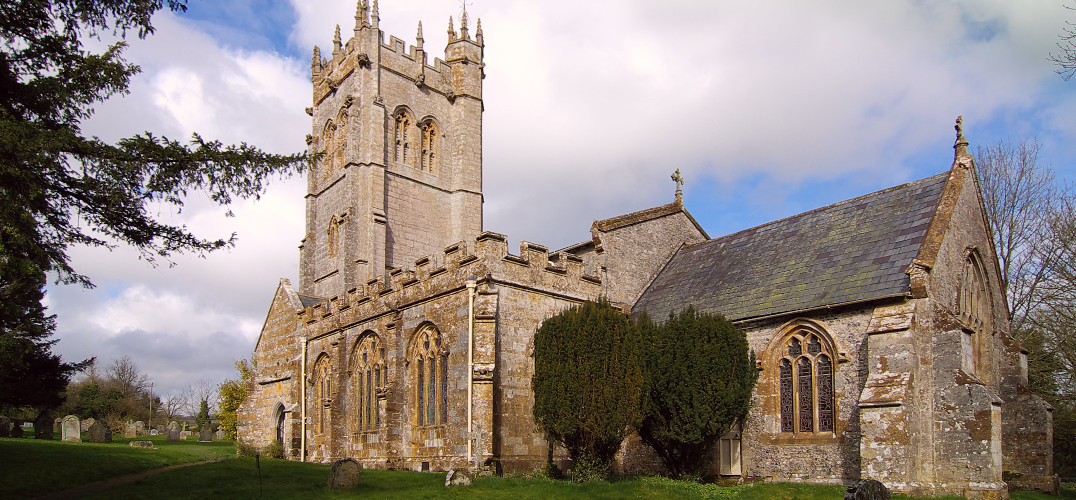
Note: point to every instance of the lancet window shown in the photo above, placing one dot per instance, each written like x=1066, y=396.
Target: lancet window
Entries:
x=805, y=379
x=330, y=154
x=429, y=365
x=974, y=299
x=322, y=392
x=403, y=137
x=369, y=378
x=431, y=146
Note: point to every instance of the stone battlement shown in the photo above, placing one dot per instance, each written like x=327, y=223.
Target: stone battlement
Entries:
x=486, y=259
x=367, y=47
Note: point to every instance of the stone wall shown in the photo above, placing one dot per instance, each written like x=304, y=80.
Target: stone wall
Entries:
x=827, y=457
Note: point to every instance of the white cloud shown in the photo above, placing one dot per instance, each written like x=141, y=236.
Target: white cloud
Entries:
x=589, y=107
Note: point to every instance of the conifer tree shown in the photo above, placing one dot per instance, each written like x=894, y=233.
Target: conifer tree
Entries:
x=588, y=382
x=60, y=188
x=700, y=374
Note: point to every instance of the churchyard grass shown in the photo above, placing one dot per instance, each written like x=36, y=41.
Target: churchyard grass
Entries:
x=39, y=466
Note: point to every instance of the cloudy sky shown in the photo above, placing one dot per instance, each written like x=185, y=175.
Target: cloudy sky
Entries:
x=768, y=108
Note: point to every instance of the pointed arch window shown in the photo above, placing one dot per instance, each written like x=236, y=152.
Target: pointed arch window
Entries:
x=430, y=370
x=322, y=393
x=974, y=298
x=805, y=379
x=369, y=379
x=431, y=146
x=329, y=154
x=403, y=137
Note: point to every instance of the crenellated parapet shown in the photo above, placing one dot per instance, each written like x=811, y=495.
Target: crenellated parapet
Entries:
x=486, y=258
x=457, y=75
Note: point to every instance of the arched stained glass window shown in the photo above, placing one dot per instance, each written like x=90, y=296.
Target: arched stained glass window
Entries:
x=805, y=383
x=430, y=365
x=369, y=363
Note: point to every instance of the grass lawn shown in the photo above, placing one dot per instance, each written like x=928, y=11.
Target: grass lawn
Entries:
x=46, y=466
x=239, y=478
x=40, y=467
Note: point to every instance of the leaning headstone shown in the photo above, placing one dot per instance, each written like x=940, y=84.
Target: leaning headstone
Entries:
x=16, y=428
x=345, y=473
x=129, y=430
x=99, y=432
x=173, y=431
x=867, y=489
x=459, y=477
x=86, y=423
x=185, y=434
x=43, y=426
x=141, y=444
x=205, y=435
x=5, y=427
x=70, y=428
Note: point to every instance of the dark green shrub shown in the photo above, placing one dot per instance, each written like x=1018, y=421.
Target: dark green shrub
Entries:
x=273, y=450
x=700, y=375
x=588, y=380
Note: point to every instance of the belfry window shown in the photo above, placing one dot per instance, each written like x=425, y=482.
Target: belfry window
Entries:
x=430, y=146
x=430, y=369
x=369, y=378
x=805, y=379
x=403, y=138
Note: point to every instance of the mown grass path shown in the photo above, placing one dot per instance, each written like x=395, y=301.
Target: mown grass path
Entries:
x=36, y=467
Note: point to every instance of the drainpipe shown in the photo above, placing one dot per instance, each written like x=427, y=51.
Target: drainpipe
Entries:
x=302, y=400
x=470, y=367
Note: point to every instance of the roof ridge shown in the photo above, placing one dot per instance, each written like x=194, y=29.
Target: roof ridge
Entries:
x=826, y=207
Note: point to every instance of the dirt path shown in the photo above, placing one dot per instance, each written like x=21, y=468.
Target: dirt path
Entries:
x=108, y=484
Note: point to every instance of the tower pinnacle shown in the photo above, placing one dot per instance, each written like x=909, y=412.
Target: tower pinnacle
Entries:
x=419, y=35
x=451, y=30
x=679, y=182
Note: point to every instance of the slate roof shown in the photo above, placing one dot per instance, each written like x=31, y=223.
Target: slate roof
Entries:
x=851, y=251
x=308, y=301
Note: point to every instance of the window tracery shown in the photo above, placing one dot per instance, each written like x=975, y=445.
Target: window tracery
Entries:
x=403, y=135
x=370, y=378
x=974, y=299
x=431, y=144
x=329, y=154
x=322, y=392
x=430, y=369
x=805, y=383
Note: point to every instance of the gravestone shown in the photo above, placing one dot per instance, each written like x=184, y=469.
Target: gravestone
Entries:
x=5, y=427
x=459, y=477
x=173, y=431
x=141, y=444
x=56, y=424
x=140, y=428
x=205, y=435
x=86, y=423
x=129, y=430
x=219, y=435
x=153, y=432
x=345, y=473
x=185, y=434
x=16, y=428
x=99, y=432
x=867, y=489
x=43, y=426
x=70, y=428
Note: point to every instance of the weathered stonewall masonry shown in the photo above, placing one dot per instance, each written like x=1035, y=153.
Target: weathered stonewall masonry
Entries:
x=881, y=331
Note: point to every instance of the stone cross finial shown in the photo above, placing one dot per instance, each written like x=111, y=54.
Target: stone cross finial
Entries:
x=679, y=182
x=961, y=145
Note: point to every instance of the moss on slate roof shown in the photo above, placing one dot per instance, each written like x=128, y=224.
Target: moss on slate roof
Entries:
x=851, y=251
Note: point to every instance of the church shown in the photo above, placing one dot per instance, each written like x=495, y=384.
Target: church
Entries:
x=880, y=328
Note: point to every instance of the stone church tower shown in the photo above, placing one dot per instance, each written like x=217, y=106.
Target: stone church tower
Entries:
x=398, y=143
